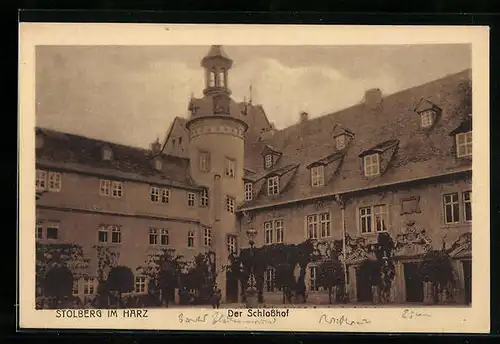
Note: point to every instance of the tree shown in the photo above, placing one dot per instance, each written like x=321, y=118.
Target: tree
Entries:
x=164, y=269
x=201, y=276
x=107, y=259
x=120, y=280
x=58, y=283
x=330, y=275
x=437, y=268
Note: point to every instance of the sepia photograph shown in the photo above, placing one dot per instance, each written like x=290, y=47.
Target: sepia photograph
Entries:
x=254, y=179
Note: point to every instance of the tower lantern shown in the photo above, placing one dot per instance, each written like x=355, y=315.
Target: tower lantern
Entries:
x=217, y=65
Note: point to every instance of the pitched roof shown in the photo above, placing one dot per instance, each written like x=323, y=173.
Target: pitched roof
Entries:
x=83, y=154
x=417, y=154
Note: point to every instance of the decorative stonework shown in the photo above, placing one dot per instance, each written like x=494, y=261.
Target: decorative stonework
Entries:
x=462, y=247
x=410, y=205
x=227, y=130
x=412, y=241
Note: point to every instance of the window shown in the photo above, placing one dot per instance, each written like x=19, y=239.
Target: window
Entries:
x=270, y=279
x=464, y=144
x=164, y=238
x=117, y=189
x=230, y=204
x=248, y=191
x=52, y=231
x=268, y=160
x=230, y=167
x=426, y=118
x=313, y=286
x=204, y=198
x=103, y=234
x=273, y=185
x=371, y=165
x=268, y=232
x=155, y=194
x=106, y=154
x=158, y=164
x=39, y=231
x=191, y=239
x=204, y=161
x=140, y=284
x=105, y=187
x=75, y=290
x=211, y=80
x=278, y=224
x=325, y=225
x=116, y=235
x=231, y=244
x=222, y=78
x=317, y=176
x=340, y=141
x=380, y=213
x=88, y=286
x=153, y=236
x=41, y=179
x=312, y=226
x=451, y=208
x=365, y=219
x=165, y=196
x=467, y=197
x=207, y=237
x=55, y=181
x=191, y=199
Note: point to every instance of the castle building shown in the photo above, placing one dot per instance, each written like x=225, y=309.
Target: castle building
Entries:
x=400, y=164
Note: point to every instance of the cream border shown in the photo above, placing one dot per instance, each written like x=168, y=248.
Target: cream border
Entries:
x=474, y=319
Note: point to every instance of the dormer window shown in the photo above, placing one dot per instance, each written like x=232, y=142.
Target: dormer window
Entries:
x=273, y=185
x=340, y=141
x=158, y=164
x=428, y=112
x=248, y=191
x=107, y=154
x=371, y=165
x=317, y=176
x=464, y=144
x=268, y=161
x=427, y=118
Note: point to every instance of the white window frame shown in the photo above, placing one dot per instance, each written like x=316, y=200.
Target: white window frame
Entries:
x=230, y=168
x=76, y=287
x=204, y=198
x=248, y=191
x=105, y=187
x=365, y=216
x=51, y=225
x=140, y=285
x=41, y=180
x=222, y=78
x=268, y=232
x=469, y=202
x=158, y=164
x=211, y=78
x=270, y=279
x=280, y=231
x=380, y=218
x=116, y=230
x=318, y=176
x=191, y=235
x=116, y=189
x=39, y=231
x=103, y=229
x=268, y=161
x=313, y=278
x=154, y=193
x=448, y=201
x=207, y=237
x=371, y=165
x=54, y=181
x=312, y=226
x=230, y=203
x=191, y=199
x=464, y=141
x=340, y=141
x=164, y=237
x=204, y=158
x=427, y=118
x=153, y=236
x=232, y=244
x=107, y=154
x=273, y=185
x=165, y=196
x=89, y=286
x=325, y=225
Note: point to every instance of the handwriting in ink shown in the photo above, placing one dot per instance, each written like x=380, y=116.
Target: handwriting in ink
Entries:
x=221, y=318
x=342, y=320
x=409, y=314
x=198, y=319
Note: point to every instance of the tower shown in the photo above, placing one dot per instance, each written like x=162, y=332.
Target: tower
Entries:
x=216, y=160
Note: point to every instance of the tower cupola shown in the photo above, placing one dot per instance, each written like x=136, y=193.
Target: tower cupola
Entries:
x=217, y=65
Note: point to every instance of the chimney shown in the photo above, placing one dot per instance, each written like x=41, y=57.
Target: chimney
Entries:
x=373, y=98
x=156, y=147
x=304, y=116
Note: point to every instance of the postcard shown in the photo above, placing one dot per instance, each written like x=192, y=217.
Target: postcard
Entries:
x=254, y=177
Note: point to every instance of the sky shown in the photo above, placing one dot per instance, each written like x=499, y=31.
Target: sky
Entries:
x=131, y=94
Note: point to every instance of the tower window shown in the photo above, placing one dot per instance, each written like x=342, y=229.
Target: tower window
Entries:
x=230, y=204
x=204, y=198
x=230, y=168
x=222, y=78
x=204, y=160
x=211, y=80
